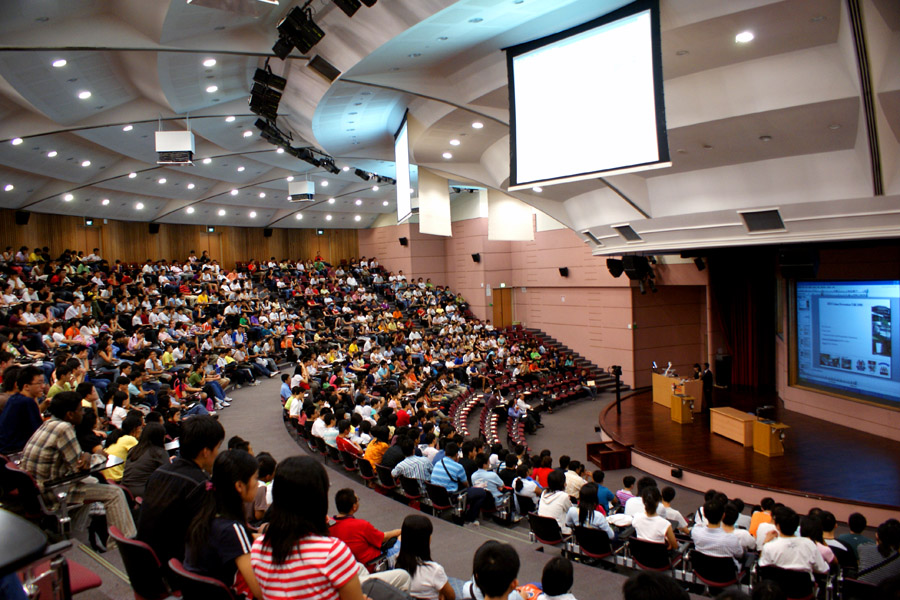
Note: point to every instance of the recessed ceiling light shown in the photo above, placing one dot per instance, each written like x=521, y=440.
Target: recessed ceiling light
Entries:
x=229, y=119
x=707, y=146
x=324, y=183
x=209, y=62
x=834, y=126
x=357, y=218
x=234, y=192
x=454, y=142
x=443, y=38
x=765, y=138
x=290, y=177
x=817, y=19
x=191, y=186
x=9, y=187
x=161, y=180
x=190, y=210
x=331, y=201
x=476, y=20
x=105, y=202
x=477, y=125
x=68, y=197
x=221, y=212
x=85, y=163
x=240, y=169
x=345, y=169
x=16, y=141
x=248, y=133
x=139, y=206
x=447, y=155
x=327, y=217
x=385, y=203
x=206, y=161
x=262, y=194
x=299, y=217
x=212, y=89
x=744, y=37
x=359, y=201
x=132, y=175
x=52, y=154
x=537, y=189
x=128, y=128
x=252, y=214
x=84, y=94
x=61, y=62
x=280, y=151
x=415, y=55
x=682, y=53
x=374, y=188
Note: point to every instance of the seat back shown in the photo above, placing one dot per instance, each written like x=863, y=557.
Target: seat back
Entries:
x=411, y=487
x=797, y=585
x=594, y=543
x=349, y=460
x=545, y=529
x=439, y=496
x=199, y=587
x=142, y=566
x=28, y=495
x=525, y=504
x=365, y=469
x=714, y=571
x=321, y=446
x=334, y=454
x=847, y=560
x=650, y=556
x=385, y=479
x=854, y=589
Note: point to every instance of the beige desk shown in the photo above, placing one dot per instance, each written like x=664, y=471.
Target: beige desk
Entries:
x=662, y=389
x=732, y=423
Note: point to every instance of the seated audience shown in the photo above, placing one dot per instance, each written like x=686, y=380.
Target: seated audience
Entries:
x=783, y=548
x=554, y=501
x=586, y=513
x=365, y=541
x=651, y=527
x=881, y=560
x=428, y=581
x=144, y=458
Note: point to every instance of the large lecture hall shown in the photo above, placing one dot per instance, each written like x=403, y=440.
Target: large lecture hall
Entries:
x=449, y=299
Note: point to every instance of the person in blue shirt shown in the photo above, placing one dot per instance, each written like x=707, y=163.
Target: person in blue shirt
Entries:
x=451, y=475
x=485, y=478
x=285, y=388
x=22, y=416
x=605, y=498
x=586, y=513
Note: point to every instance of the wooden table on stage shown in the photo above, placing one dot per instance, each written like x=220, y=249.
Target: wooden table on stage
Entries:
x=662, y=389
x=732, y=423
x=767, y=438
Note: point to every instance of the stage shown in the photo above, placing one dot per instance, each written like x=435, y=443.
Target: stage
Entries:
x=824, y=464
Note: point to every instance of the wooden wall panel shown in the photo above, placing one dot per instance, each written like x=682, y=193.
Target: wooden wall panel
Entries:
x=131, y=241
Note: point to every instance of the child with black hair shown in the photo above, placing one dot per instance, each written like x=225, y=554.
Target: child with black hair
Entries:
x=263, y=499
x=495, y=568
x=557, y=579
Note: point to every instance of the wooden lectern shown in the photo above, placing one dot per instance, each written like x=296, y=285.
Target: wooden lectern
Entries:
x=682, y=409
x=694, y=387
x=662, y=389
x=768, y=437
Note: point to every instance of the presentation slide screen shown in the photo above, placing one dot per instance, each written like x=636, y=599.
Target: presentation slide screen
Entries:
x=588, y=101
x=401, y=160
x=845, y=333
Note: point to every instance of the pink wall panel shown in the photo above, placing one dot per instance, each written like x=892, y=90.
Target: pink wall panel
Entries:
x=668, y=328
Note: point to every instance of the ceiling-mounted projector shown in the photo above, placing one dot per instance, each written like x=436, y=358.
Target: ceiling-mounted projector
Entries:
x=174, y=147
x=302, y=191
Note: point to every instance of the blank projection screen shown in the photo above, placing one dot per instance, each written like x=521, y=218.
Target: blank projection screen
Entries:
x=588, y=101
x=401, y=160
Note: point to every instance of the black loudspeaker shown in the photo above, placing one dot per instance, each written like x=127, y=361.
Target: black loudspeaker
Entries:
x=476, y=258
x=564, y=271
x=154, y=228
x=22, y=217
x=267, y=232
x=799, y=263
x=404, y=241
x=616, y=267
x=677, y=473
x=636, y=267
x=700, y=264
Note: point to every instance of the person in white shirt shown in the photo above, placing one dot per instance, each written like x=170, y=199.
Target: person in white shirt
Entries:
x=729, y=519
x=651, y=527
x=783, y=548
x=671, y=514
x=555, y=502
x=75, y=310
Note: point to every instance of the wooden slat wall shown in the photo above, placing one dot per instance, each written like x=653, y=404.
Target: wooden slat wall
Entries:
x=131, y=241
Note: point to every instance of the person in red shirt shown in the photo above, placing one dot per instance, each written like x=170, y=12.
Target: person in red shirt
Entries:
x=364, y=540
x=541, y=472
x=343, y=441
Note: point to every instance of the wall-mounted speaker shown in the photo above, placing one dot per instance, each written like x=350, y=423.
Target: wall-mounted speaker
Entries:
x=616, y=267
x=564, y=271
x=267, y=232
x=22, y=217
x=404, y=241
x=476, y=258
x=154, y=228
x=636, y=267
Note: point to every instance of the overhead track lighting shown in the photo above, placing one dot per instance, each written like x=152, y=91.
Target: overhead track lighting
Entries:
x=348, y=6
x=297, y=30
x=364, y=175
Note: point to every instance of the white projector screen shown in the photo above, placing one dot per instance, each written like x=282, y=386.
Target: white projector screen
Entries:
x=401, y=160
x=588, y=101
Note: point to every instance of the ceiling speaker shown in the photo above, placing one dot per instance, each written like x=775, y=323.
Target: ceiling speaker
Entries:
x=476, y=258
x=154, y=228
x=22, y=217
x=404, y=241
x=564, y=271
x=267, y=232
x=616, y=267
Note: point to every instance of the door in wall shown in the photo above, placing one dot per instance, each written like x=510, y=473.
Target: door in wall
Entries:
x=502, y=315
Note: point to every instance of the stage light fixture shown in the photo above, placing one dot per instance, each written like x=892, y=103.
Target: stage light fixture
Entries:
x=700, y=264
x=348, y=6
x=616, y=267
x=299, y=31
x=264, y=101
x=364, y=175
x=369, y=3
x=328, y=164
x=269, y=79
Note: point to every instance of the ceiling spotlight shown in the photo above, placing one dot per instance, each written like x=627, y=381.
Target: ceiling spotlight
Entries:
x=234, y=192
x=191, y=186
x=765, y=138
x=68, y=197
x=221, y=212
x=537, y=189
x=248, y=133
x=252, y=214
x=52, y=154
x=9, y=187
x=324, y=183
x=190, y=210
x=240, y=169
x=477, y=125
x=229, y=119
x=139, y=206
x=327, y=217
x=290, y=178
x=454, y=142
x=206, y=161
x=744, y=37
x=262, y=194
x=447, y=155
x=364, y=175
x=331, y=201
x=345, y=169
x=297, y=30
x=357, y=218
x=280, y=151
x=385, y=203
x=834, y=126
x=359, y=202
x=105, y=202
x=299, y=217
x=128, y=128
x=209, y=62
x=212, y=89
x=16, y=141
x=161, y=180
x=59, y=63
x=85, y=163
x=84, y=94
x=132, y=175
x=374, y=188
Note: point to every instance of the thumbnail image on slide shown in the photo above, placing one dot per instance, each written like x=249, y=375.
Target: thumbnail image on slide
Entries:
x=855, y=335
x=881, y=330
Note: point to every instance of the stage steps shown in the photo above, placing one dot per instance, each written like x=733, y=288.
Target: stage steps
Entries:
x=604, y=382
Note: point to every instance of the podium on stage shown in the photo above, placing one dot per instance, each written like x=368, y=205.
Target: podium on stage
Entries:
x=682, y=407
x=768, y=438
x=663, y=386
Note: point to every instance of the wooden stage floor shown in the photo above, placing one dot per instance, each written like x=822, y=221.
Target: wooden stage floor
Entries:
x=821, y=459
